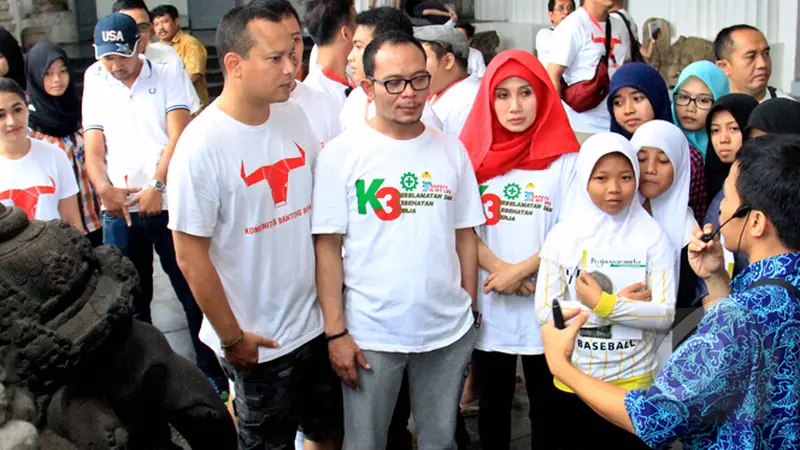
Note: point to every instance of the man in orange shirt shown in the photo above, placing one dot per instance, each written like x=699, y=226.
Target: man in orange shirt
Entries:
x=167, y=25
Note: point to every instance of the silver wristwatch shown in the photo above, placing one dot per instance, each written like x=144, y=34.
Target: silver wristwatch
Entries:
x=159, y=186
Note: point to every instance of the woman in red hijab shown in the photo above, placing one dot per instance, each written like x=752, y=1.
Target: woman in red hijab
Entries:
x=523, y=151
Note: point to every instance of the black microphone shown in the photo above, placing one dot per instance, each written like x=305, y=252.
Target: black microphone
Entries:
x=740, y=212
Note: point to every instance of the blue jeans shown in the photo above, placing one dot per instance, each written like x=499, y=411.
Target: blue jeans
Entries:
x=136, y=243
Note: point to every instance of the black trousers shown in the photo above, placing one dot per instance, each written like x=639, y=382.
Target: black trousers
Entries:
x=497, y=378
x=587, y=430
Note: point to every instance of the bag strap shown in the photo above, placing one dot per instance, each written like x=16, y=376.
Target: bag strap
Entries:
x=608, y=40
x=697, y=315
x=772, y=92
x=776, y=282
x=635, y=47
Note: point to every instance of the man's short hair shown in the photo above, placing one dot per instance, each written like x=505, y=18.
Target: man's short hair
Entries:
x=385, y=19
x=389, y=38
x=769, y=180
x=468, y=28
x=324, y=18
x=282, y=7
x=551, y=5
x=124, y=5
x=233, y=36
x=723, y=43
x=165, y=10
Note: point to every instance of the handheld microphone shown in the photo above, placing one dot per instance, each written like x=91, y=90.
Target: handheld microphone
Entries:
x=740, y=212
x=558, y=317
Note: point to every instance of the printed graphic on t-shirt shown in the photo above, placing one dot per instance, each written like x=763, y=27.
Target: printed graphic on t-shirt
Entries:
x=614, y=41
x=418, y=192
x=276, y=175
x=28, y=199
x=515, y=202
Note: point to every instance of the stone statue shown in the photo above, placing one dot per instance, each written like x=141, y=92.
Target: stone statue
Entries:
x=97, y=378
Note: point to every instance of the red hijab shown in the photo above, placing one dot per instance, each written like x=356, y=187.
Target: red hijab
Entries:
x=496, y=151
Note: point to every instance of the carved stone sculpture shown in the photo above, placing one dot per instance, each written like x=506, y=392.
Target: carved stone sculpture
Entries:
x=98, y=378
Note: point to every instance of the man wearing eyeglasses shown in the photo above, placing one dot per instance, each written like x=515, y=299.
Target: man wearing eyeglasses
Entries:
x=557, y=10
x=401, y=199
x=452, y=91
x=156, y=52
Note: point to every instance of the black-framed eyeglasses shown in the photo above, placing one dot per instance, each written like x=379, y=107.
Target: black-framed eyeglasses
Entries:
x=398, y=85
x=562, y=8
x=703, y=102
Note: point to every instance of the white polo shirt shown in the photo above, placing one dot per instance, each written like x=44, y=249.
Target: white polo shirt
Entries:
x=332, y=94
x=453, y=105
x=324, y=122
x=159, y=53
x=133, y=121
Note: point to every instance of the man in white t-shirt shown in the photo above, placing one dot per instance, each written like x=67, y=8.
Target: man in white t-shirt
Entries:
x=331, y=24
x=323, y=120
x=557, y=10
x=743, y=53
x=401, y=199
x=358, y=107
x=452, y=91
x=619, y=8
x=581, y=41
x=241, y=216
x=133, y=113
x=155, y=52
x=476, y=64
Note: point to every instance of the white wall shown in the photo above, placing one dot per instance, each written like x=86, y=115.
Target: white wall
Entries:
x=777, y=19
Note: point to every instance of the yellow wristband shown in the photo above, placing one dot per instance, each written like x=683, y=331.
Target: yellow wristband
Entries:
x=606, y=305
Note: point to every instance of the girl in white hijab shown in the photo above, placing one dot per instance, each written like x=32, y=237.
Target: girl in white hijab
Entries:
x=618, y=343
x=663, y=154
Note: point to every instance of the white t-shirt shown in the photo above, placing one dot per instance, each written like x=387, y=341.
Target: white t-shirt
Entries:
x=322, y=120
x=581, y=42
x=248, y=188
x=398, y=205
x=358, y=109
x=476, y=64
x=133, y=121
x=314, y=67
x=37, y=181
x=521, y=207
x=159, y=53
x=453, y=104
x=544, y=39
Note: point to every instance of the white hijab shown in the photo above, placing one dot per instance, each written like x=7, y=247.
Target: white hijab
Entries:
x=671, y=208
x=587, y=227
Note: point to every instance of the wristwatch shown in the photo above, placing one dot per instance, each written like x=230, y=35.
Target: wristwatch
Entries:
x=159, y=186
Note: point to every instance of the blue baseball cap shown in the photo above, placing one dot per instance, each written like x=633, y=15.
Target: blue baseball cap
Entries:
x=115, y=34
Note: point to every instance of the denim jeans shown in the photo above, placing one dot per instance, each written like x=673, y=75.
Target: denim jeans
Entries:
x=136, y=243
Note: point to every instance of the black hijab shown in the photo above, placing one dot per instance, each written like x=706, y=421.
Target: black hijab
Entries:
x=9, y=47
x=53, y=116
x=740, y=106
x=776, y=115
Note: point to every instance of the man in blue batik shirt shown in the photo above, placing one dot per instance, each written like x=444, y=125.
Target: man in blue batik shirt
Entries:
x=735, y=384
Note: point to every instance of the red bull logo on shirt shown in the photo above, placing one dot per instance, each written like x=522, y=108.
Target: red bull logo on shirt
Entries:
x=28, y=199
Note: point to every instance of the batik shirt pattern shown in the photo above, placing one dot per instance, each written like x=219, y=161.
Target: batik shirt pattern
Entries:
x=736, y=383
